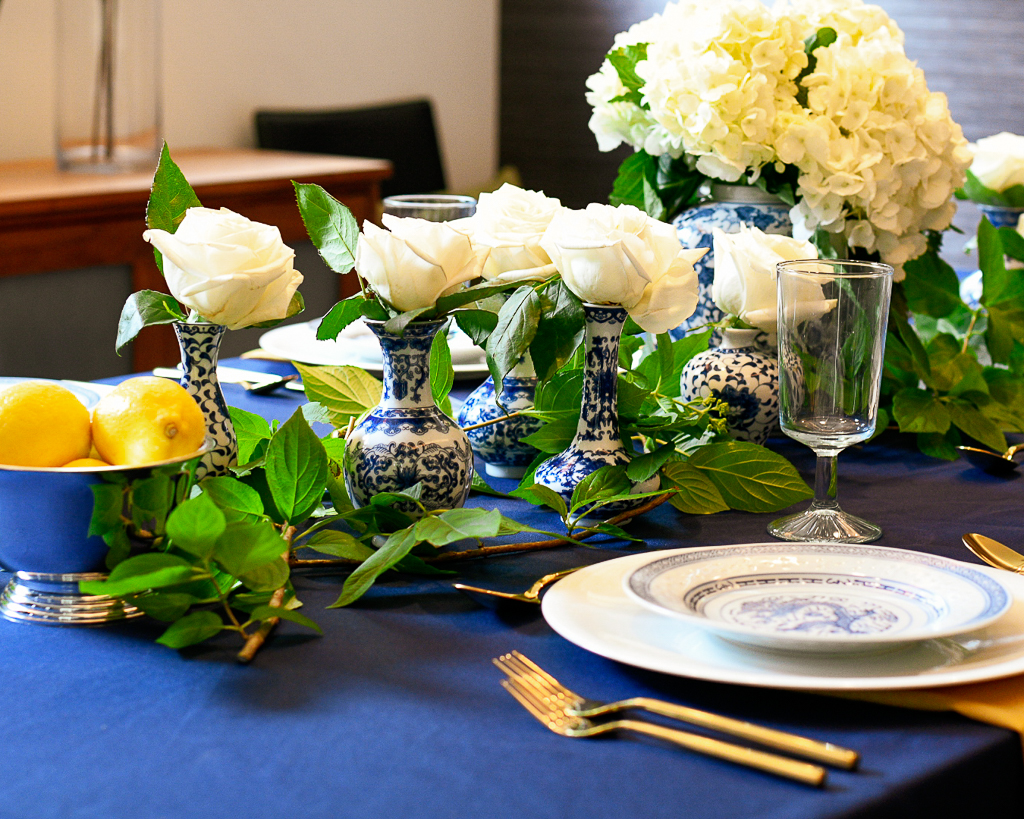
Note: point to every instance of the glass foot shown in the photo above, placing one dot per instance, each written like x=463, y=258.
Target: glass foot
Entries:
x=830, y=525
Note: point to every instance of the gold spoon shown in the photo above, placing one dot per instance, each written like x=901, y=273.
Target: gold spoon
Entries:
x=995, y=553
x=993, y=462
x=492, y=599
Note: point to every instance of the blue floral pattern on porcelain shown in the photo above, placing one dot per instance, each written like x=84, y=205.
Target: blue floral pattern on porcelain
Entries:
x=729, y=207
x=200, y=348
x=406, y=439
x=597, y=442
x=743, y=377
x=500, y=444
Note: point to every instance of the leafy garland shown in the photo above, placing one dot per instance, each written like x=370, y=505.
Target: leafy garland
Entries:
x=218, y=555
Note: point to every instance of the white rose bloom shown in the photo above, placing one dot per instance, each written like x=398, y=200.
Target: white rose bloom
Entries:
x=745, y=275
x=228, y=269
x=414, y=262
x=999, y=161
x=510, y=223
x=621, y=256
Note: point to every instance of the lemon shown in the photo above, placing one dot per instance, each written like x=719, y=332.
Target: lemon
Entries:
x=147, y=419
x=42, y=424
x=78, y=463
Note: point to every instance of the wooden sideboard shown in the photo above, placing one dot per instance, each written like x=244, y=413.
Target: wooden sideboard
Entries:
x=53, y=220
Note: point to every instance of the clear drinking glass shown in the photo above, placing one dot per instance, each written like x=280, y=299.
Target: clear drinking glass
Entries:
x=434, y=207
x=832, y=319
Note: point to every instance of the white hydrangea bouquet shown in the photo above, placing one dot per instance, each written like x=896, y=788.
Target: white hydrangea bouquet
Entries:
x=812, y=100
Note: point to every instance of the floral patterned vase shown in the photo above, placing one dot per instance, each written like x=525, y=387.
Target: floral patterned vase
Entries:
x=200, y=347
x=597, y=442
x=746, y=378
x=406, y=439
x=729, y=207
x=500, y=445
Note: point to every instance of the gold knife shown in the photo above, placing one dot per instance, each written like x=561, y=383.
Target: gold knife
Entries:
x=995, y=553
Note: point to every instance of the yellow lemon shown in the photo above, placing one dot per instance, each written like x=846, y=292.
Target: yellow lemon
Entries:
x=42, y=424
x=147, y=419
x=78, y=463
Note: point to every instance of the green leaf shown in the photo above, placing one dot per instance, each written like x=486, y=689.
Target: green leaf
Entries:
x=750, y=477
x=250, y=429
x=974, y=190
x=940, y=445
x=999, y=285
x=917, y=410
x=971, y=421
x=454, y=525
x=244, y=547
x=195, y=525
x=150, y=570
x=345, y=392
x=338, y=544
x=1013, y=242
x=484, y=488
x=296, y=468
x=396, y=324
x=931, y=285
x=540, y=495
x=630, y=398
x=629, y=186
x=470, y=295
x=267, y=612
x=330, y=225
x=563, y=392
x=1005, y=329
x=515, y=330
x=145, y=308
x=560, y=329
x=191, y=629
x=615, y=531
x=152, y=499
x=696, y=492
x=268, y=577
x=647, y=465
x=442, y=375
x=601, y=484
x=171, y=195
x=107, y=505
x=624, y=62
x=913, y=345
x=394, y=549
x=477, y=324
x=237, y=501
x=164, y=606
x=822, y=38
x=119, y=547
x=339, y=317
x=553, y=437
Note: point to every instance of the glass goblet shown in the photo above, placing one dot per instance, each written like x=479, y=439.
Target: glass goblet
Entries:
x=434, y=207
x=832, y=319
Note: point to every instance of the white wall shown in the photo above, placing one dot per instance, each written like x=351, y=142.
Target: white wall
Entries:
x=224, y=58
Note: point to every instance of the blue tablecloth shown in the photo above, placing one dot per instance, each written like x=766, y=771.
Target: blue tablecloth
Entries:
x=397, y=710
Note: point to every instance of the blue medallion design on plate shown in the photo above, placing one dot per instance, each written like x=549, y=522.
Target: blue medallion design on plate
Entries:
x=597, y=442
x=406, y=439
x=200, y=347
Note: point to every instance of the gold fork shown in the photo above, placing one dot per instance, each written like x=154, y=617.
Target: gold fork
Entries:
x=561, y=723
x=525, y=671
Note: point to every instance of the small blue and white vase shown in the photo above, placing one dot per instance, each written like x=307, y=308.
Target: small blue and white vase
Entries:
x=406, y=439
x=1000, y=215
x=729, y=207
x=742, y=376
x=200, y=348
x=500, y=444
x=597, y=442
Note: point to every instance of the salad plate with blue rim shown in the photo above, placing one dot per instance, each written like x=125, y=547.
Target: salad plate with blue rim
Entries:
x=824, y=617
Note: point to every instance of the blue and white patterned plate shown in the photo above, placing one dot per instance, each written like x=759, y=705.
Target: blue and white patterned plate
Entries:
x=819, y=597
x=83, y=392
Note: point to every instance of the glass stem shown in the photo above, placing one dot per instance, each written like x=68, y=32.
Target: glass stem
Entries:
x=825, y=482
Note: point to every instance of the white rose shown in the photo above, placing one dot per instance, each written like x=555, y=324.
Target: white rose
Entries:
x=510, y=224
x=414, y=262
x=621, y=256
x=230, y=270
x=999, y=161
x=745, y=276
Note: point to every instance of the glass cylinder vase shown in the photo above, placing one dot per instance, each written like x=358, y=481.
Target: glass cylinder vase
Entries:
x=406, y=440
x=108, y=116
x=597, y=442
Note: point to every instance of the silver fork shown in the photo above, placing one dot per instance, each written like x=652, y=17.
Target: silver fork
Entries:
x=561, y=723
x=524, y=670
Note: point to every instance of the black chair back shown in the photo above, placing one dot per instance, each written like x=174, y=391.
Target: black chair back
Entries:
x=402, y=132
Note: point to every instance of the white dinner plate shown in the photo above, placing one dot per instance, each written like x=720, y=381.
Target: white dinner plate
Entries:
x=357, y=346
x=591, y=609
x=819, y=597
x=88, y=394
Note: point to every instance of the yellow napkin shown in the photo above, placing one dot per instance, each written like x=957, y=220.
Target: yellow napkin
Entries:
x=997, y=702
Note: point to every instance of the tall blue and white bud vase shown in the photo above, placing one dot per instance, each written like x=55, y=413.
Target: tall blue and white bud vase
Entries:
x=200, y=349
x=500, y=443
x=406, y=440
x=597, y=442
x=729, y=207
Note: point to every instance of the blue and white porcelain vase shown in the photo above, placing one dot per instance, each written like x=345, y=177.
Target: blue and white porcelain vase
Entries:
x=406, y=439
x=741, y=375
x=500, y=444
x=200, y=348
x=729, y=207
x=597, y=442
x=1001, y=216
